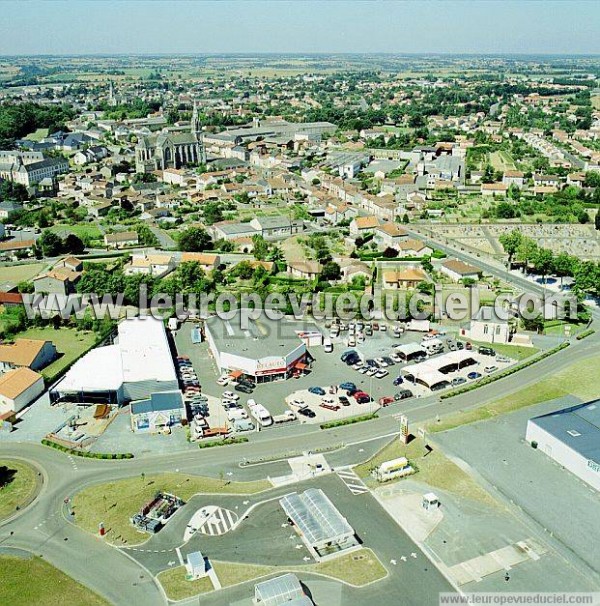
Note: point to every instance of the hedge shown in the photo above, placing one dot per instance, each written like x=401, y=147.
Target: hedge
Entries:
x=290, y=455
x=505, y=373
x=223, y=442
x=85, y=454
x=348, y=421
x=586, y=333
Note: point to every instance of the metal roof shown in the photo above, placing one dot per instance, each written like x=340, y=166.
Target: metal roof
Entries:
x=285, y=589
x=578, y=427
x=315, y=516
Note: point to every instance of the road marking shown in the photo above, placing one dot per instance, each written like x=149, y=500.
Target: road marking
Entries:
x=179, y=556
x=220, y=522
x=354, y=484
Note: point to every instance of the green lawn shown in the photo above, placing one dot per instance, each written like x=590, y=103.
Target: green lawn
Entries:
x=20, y=273
x=86, y=232
x=69, y=342
x=580, y=380
x=177, y=587
x=433, y=469
x=38, y=135
x=26, y=582
x=114, y=503
x=18, y=484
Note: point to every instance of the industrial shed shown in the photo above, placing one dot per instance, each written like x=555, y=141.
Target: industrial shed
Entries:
x=137, y=365
x=284, y=590
x=322, y=527
x=571, y=437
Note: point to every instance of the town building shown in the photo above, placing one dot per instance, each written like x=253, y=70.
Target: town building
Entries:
x=458, y=270
x=285, y=590
x=121, y=239
x=264, y=350
x=487, y=327
x=404, y=278
x=137, y=365
x=157, y=413
x=171, y=149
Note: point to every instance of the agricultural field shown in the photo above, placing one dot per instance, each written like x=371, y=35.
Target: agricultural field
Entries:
x=20, y=273
x=502, y=160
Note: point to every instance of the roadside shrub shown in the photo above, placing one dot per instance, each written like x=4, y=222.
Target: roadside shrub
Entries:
x=348, y=421
x=586, y=333
x=84, y=453
x=224, y=442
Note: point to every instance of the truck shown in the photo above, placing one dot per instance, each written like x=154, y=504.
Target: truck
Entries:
x=260, y=413
x=286, y=417
x=243, y=425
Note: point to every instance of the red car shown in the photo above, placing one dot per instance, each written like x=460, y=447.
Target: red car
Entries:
x=386, y=400
x=361, y=397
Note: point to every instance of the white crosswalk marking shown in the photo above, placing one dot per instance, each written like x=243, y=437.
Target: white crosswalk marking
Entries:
x=220, y=522
x=353, y=482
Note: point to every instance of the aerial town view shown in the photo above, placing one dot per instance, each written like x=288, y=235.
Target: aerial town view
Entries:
x=299, y=303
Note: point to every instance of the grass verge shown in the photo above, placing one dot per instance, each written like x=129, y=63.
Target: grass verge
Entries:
x=18, y=485
x=27, y=581
x=515, y=352
x=433, y=468
x=114, y=503
x=348, y=421
x=358, y=568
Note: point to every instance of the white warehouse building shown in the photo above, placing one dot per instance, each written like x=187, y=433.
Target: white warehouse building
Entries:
x=138, y=364
x=571, y=437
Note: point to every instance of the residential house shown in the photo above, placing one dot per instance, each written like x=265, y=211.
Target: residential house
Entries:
x=10, y=300
x=513, y=177
x=278, y=226
x=121, y=239
x=9, y=208
x=31, y=353
x=71, y=263
x=18, y=388
x=156, y=265
x=207, y=261
x=405, y=278
x=99, y=210
x=362, y=225
x=60, y=281
x=390, y=235
x=494, y=189
x=413, y=248
x=458, y=270
x=576, y=179
x=15, y=248
x=307, y=270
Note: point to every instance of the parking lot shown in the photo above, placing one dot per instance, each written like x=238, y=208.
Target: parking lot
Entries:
x=327, y=371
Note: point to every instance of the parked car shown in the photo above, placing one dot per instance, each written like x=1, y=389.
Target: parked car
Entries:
x=229, y=395
x=460, y=345
x=348, y=386
x=357, y=366
x=372, y=371
x=327, y=400
x=307, y=412
x=243, y=388
x=381, y=362
x=473, y=375
x=223, y=380
x=403, y=394
x=396, y=358
x=388, y=360
x=385, y=400
x=468, y=346
x=486, y=351
x=370, y=362
x=319, y=391
x=298, y=403
x=458, y=381
x=361, y=397
x=380, y=374
x=346, y=354
x=363, y=370
x=502, y=359
x=344, y=401
x=368, y=330
x=398, y=381
x=490, y=369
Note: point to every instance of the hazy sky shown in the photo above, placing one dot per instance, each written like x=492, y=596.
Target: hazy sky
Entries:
x=196, y=26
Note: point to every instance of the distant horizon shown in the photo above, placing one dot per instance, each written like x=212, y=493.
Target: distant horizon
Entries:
x=209, y=27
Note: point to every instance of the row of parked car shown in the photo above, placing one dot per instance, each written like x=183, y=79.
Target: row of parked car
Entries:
x=190, y=387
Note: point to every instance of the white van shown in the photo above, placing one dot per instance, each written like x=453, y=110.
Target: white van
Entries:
x=432, y=347
x=327, y=346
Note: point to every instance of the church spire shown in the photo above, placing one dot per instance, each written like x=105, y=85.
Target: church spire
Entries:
x=195, y=125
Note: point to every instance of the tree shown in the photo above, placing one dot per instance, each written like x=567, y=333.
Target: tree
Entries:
x=511, y=242
x=212, y=212
x=146, y=236
x=331, y=271
x=597, y=220
x=260, y=247
x=583, y=217
x=194, y=239
x=543, y=261
x=505, y=210
x=405, y=219
x=73, y=245
x=390, y=253
x=50, y=244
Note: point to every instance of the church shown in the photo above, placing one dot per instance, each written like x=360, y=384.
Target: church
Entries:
x=171, y=149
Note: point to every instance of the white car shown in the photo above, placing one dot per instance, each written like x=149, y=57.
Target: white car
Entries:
x=363, y=370
x=381, y=362
x=351, y=342
x=298, y=403
x=372, y=371
x=223, y=380
x=326, y=400
x=357, y=366
x=229, y=395
x=383, y=327
x=381, y=373
x=490, y=369
x=394, y=356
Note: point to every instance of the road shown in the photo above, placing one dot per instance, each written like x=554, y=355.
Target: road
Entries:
x=44, y=528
